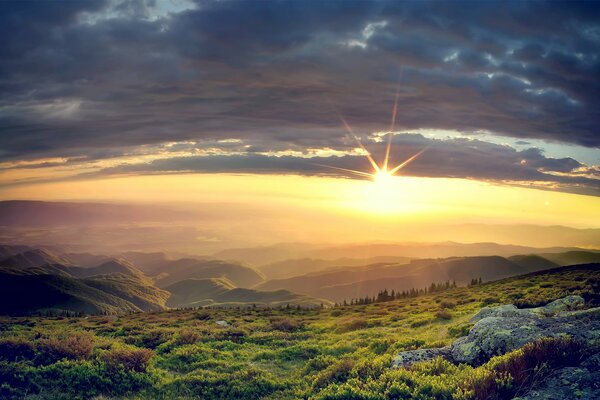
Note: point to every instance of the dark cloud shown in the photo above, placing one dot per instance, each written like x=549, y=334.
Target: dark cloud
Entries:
x=95, y=79
x=451, y=158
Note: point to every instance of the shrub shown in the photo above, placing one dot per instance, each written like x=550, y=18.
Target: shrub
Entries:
x=284, y=324
x=517, y=369
x=187, y=336
x=13, y=349
x=74, y=347
x=129, y=359
x=459, y=330
x=448, y=304
x=317, y=364
x=443, y=314
x=150, y=339
x=250, y=384
x=83, y=380
x=336, y=373
x=490, y=300
x=202, y=315
x=353, y=324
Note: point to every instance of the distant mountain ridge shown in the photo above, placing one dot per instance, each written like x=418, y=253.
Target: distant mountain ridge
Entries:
x=353, y=282
x=37, y=280
x=221, y=292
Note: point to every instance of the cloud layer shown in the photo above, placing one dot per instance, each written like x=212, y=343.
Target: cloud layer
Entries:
x=97, y=79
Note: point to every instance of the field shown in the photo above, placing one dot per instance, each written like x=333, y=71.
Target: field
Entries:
x=344, y=352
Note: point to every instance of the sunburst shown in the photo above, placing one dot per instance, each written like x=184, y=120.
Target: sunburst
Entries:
x=383, y=173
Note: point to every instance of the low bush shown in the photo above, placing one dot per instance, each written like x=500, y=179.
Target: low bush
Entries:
x=150, y=339
x=353, y=324
x=14, y=349
x=336, y=373
x=443, y=314
x=284, y=324
x=74, y=347
x=459, y=330
x=131, y=359
x=248, y=384
x=507, y=374
x=187, y=336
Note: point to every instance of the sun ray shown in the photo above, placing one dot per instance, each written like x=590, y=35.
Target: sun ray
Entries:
x=390, y=134
x=368, y=155
x=405, y=163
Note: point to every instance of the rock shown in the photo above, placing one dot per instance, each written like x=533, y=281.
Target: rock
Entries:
x=222, y=323
x=508, y=310
x=407, y=358
x=569, y=383
x=499, y=330
x=569, y=303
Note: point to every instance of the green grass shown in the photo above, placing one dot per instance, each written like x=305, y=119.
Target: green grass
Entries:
x=340, y=353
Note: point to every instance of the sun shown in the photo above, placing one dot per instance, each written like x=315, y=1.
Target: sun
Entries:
x=382, y=175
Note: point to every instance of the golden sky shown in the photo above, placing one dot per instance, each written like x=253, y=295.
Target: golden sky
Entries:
x=405, y=199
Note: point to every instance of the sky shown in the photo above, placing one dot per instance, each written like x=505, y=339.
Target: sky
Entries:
x=247, y=98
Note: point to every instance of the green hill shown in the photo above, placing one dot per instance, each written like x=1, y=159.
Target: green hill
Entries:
x=347, y=283
x=28, y=294
x=240, y=275
x=222, y=292
x=573, y=257
x=343, y=352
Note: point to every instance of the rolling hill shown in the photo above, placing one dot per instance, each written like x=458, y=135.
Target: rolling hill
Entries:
x=174, y=271
x=221, y=292
x=31, y=294
x=573, y=257
x=260, y=256
x=301, y=266
x=33, y=258
x=347, y=283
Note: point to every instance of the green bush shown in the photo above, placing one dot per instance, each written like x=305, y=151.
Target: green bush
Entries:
x=150, y=339
x=335, y=373
x=83, y=379
x=14, y=349
x=248, y=384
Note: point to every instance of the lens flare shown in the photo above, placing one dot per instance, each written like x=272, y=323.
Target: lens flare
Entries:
x=383, y=174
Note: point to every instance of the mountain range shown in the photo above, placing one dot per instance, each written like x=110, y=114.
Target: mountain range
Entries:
x=45, y=280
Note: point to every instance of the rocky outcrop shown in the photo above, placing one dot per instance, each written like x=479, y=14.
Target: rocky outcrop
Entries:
x=499, y=330
x=582, y=382
x=407, y=358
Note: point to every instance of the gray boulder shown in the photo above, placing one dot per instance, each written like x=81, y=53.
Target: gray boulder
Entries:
x=570, y=383
x=409, y=357
x=499, y=330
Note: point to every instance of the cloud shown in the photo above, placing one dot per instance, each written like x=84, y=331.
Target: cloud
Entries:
x=451, y=158
x=97, y=79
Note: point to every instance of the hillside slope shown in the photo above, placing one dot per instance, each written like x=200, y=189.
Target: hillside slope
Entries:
x=30, y=294
x=348, y=283
x=240, y=275
x=221, y=292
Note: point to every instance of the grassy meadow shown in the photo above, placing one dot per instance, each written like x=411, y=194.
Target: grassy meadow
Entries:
x=343, y=352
